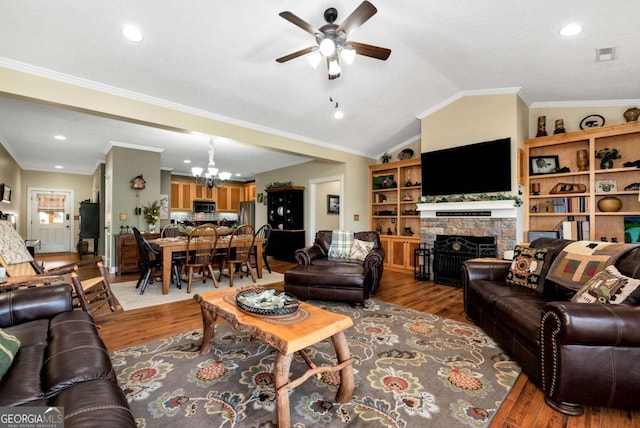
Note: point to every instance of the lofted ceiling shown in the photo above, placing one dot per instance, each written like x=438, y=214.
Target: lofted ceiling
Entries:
x=219, y=58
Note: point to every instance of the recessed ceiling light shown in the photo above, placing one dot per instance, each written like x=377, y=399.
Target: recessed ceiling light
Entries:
x=571, y=30
x=60, y=137
x=132, y=33
x=338, y=114
x=58, y=167
x=238, y=174
x=187, y=161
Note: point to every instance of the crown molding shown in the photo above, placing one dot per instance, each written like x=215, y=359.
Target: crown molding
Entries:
x=590, y=103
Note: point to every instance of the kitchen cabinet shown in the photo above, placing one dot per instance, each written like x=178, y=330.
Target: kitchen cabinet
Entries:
x=205, y=193
x=248, y=192
x=228, y=198
x=182, y=195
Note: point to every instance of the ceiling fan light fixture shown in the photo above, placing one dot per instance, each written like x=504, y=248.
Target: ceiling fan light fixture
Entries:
x=327, y=47
x=334, y=67
x=348, y=53
x=314, y=59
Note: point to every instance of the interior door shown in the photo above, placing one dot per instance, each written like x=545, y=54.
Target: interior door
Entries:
x=50, y=219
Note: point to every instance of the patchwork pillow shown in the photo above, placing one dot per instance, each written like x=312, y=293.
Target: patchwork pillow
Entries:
x=341, y=241
x=9, y=345
x=579, y=261
x=527, y=267
x=360, y=249
x=608, y=286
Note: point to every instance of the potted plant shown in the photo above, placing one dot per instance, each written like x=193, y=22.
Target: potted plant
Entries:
x=607, y=156
x=151, y=215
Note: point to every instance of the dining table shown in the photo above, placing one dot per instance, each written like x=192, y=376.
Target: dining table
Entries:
x=170, y=245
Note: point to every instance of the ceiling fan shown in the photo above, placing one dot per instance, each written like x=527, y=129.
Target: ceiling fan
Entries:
x=332, y=39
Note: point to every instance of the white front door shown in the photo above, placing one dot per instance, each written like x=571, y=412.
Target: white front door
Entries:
x=53, y=228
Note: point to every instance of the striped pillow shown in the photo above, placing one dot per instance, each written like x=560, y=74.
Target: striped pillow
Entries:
x=9, y=345
x=341, y=241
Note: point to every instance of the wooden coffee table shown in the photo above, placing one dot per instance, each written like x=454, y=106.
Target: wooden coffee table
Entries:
x=287, y=340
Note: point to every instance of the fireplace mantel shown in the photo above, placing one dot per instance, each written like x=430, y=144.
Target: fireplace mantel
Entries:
x=476, y=209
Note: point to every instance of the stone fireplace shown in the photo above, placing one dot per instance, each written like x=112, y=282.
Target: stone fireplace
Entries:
x=498, y=219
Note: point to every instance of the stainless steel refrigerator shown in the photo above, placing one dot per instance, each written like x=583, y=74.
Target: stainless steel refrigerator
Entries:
x=247, y=213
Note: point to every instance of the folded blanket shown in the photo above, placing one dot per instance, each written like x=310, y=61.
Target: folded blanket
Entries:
x=579, y=261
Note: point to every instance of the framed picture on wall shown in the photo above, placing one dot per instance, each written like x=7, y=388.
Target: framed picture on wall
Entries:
x=333, y=204
x=539, y=165
x=5, y=191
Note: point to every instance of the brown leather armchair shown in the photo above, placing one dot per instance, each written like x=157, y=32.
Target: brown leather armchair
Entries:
x=317, y=255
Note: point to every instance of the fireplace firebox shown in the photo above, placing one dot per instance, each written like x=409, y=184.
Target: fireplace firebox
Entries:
x=449, y=251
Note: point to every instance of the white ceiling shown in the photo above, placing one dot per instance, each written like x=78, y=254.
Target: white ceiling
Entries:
x=219, y=57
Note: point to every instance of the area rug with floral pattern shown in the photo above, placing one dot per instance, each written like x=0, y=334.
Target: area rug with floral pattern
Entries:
x=412, y=369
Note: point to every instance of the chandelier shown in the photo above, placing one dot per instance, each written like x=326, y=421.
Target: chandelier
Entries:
x=211, y=177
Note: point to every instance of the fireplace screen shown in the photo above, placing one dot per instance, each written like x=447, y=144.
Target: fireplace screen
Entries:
x=449, y=251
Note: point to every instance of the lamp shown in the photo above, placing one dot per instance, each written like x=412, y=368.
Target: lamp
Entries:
x=123, y=217
x=211, y=177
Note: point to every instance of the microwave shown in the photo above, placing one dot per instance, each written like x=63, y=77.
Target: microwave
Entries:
x=204, y=207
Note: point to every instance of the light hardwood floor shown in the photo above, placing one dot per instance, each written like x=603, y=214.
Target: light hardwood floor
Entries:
x=524, y=407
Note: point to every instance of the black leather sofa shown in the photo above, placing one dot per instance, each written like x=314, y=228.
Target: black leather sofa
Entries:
x=578, y=353
x=321, y=277
x=62, y=360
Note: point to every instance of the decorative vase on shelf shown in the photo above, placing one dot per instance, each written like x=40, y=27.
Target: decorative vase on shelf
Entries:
x=631, y=114
x=582, y=160
x=606, y=163
x=152, y=228
x=609, y=204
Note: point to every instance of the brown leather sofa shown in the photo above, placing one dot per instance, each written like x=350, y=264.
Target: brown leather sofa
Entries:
x=341, y=279
x=61, y=362
x=578, y=353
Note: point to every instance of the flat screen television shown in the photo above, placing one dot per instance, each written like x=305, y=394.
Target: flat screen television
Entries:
x=475, y=168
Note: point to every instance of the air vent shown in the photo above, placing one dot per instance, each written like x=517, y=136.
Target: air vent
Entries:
x=605, y=54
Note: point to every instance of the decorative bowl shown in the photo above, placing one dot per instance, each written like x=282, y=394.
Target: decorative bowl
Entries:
x=266, y=302
x=609, y=204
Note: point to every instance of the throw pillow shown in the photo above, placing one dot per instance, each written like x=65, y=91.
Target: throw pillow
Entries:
x=608, y=286
x=9, y=345
x=526, y=268
x=340, y=244
x=360, y=249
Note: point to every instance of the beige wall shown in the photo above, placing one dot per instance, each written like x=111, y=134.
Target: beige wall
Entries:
x=354, y=200
x=81, y=185
x=326, y=221
x=474, y=119
x=11, y=175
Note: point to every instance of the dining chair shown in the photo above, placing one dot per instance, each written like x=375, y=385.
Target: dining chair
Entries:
x=237, y=258
x=177, y=258
x=151, y=259
x=201, y=254
x=263, y=232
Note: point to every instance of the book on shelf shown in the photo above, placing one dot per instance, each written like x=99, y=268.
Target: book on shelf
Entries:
x=576, y=230
x=570, y=204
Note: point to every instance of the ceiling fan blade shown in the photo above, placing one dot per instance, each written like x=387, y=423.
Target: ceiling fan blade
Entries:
x=297, y=54
x=358, y=17
x=295, y=20
x=371, y=51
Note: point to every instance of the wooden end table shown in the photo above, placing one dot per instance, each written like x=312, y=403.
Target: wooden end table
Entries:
x=287, y=340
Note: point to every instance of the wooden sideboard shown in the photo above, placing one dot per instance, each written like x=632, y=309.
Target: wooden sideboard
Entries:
x=127, y=252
